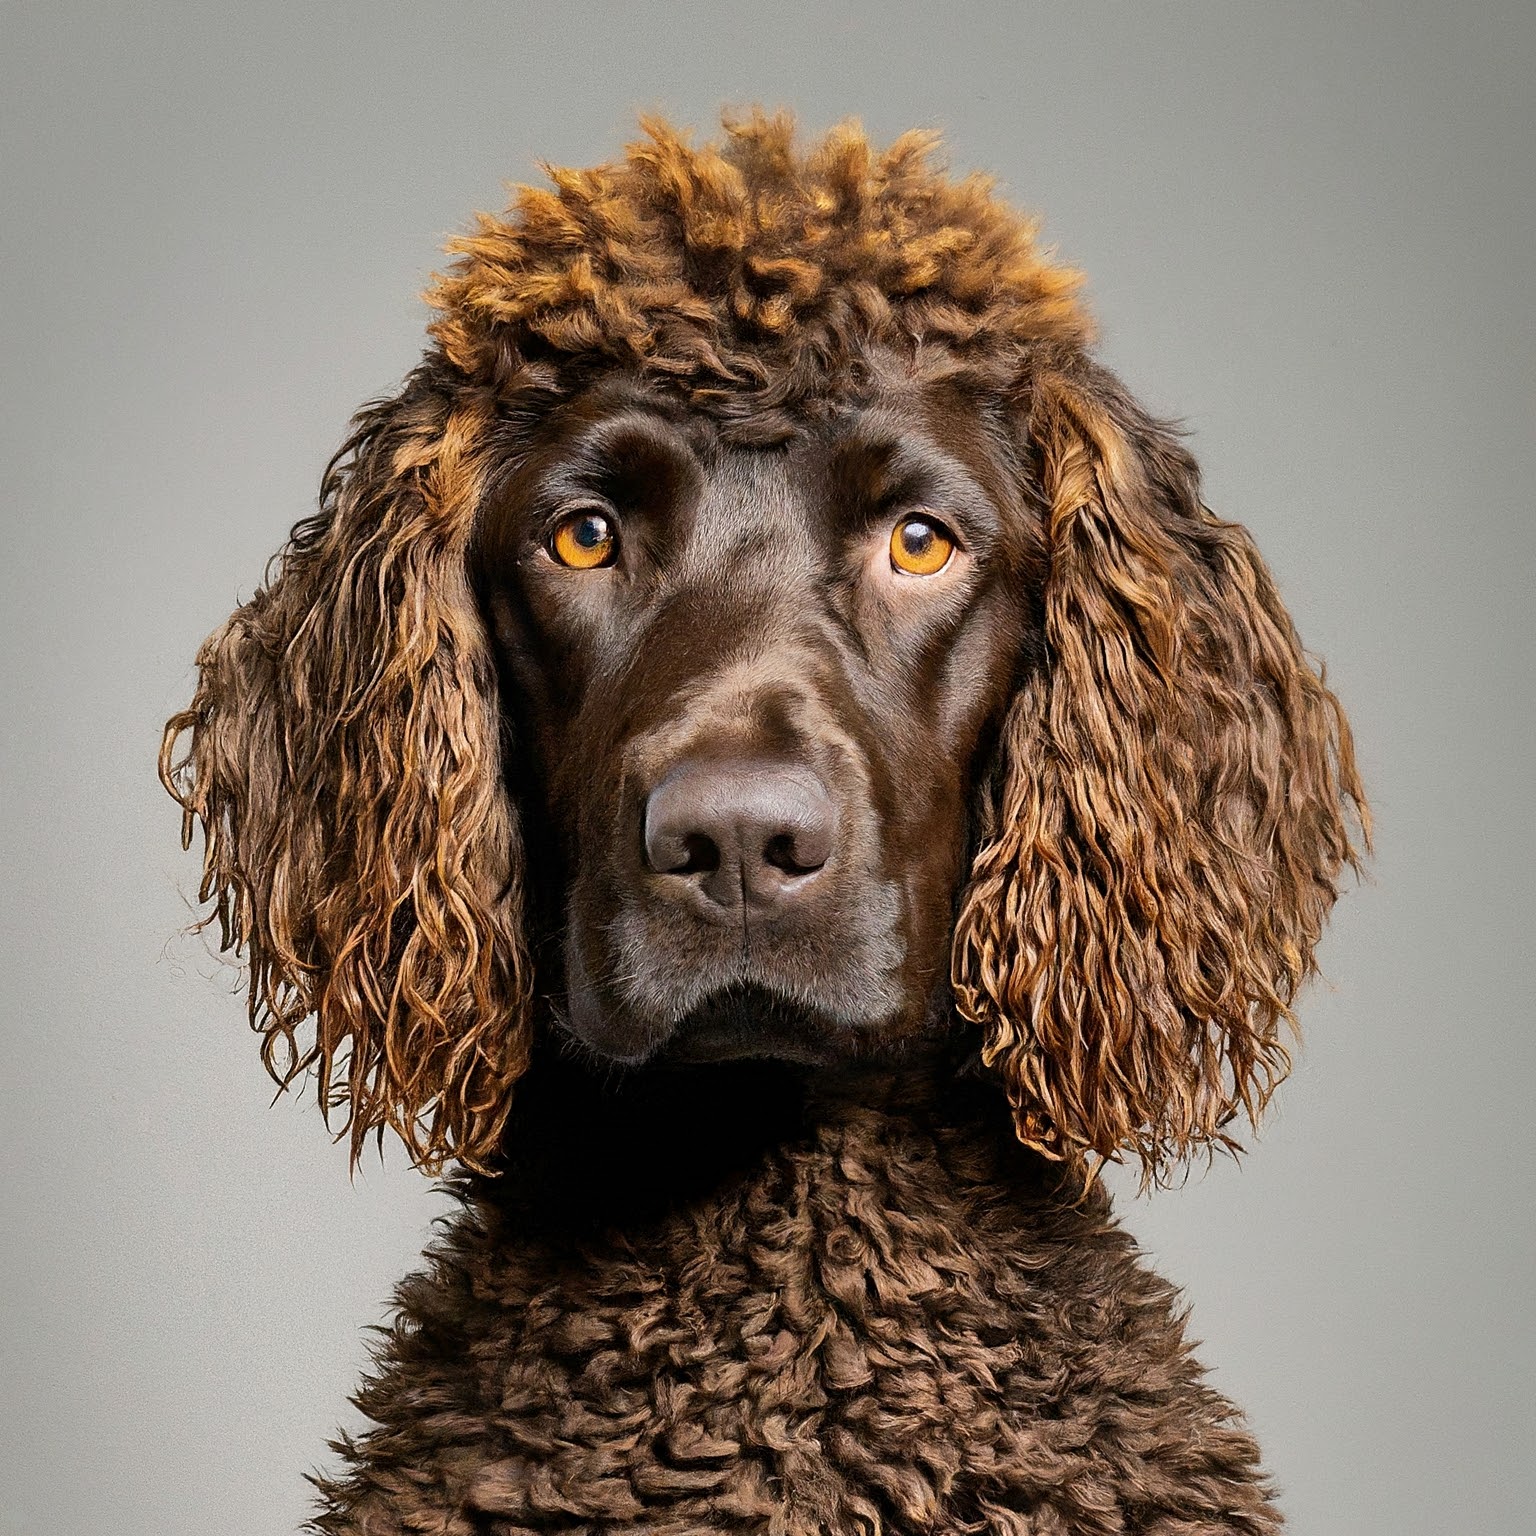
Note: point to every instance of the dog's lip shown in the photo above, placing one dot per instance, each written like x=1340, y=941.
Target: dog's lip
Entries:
x=712, y=1040
x=585, y=1022
x=736, y=1022
x=746, y=1020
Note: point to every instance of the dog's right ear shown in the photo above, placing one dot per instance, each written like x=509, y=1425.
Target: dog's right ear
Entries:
x=343, y=755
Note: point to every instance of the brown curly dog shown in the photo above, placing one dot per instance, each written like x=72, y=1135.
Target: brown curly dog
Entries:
x=757, y=706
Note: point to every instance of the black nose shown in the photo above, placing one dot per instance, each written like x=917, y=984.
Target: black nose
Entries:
x=743, y=832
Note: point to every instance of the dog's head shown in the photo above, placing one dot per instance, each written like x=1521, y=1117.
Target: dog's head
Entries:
x=759, y=629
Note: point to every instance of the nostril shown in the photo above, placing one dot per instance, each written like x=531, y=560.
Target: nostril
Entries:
x=673, y=847
x=700, y=856
x=785, y=852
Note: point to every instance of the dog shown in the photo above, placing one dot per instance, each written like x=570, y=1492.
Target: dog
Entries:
x=764, y=770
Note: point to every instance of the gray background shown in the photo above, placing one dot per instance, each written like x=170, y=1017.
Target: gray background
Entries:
x=1309, y=232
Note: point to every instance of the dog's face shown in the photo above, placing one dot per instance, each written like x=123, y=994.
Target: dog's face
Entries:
x=758, y=628
x=757, y=682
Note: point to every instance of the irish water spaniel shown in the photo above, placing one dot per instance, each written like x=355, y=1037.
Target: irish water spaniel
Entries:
x=764, y=768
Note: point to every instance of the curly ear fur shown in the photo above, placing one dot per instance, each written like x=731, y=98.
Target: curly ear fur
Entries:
x=344, y=760
x=1173, y=808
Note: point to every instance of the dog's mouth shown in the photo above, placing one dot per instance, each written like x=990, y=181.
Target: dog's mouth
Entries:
x=745, y=1021
x=640, y=990
x=741, y=1021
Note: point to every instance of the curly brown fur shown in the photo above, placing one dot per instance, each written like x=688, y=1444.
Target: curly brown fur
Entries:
x=1173, y=817
x=346, y=769
x=1093, y=801
x=888, y=1320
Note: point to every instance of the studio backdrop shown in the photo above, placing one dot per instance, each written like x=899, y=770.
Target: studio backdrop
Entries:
x=1308, y=233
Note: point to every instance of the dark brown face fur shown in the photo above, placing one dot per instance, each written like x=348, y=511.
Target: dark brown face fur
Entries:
x=753, y=631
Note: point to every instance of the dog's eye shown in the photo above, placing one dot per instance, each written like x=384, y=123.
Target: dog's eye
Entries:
x=920, y=546
x=584, y=541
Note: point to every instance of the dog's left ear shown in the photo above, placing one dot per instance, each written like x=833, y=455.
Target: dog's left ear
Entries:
x=1172, y=807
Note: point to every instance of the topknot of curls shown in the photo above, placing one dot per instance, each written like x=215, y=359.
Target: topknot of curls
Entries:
x=749, y=268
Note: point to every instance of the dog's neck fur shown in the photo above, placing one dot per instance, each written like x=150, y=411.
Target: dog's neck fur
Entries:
x=591, y=1149
x=755, y=1299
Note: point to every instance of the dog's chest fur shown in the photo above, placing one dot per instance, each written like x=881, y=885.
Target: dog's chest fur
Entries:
x=892, y=1320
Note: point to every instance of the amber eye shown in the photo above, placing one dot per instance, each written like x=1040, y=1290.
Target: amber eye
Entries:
x=920, y=547
x=584, y=541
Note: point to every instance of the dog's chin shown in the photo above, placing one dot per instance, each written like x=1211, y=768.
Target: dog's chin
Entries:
x=741, y=1022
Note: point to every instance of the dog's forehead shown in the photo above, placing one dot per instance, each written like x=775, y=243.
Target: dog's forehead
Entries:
x=889, y=424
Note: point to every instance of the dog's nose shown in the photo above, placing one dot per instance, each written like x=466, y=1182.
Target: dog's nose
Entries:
x=745, y=833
